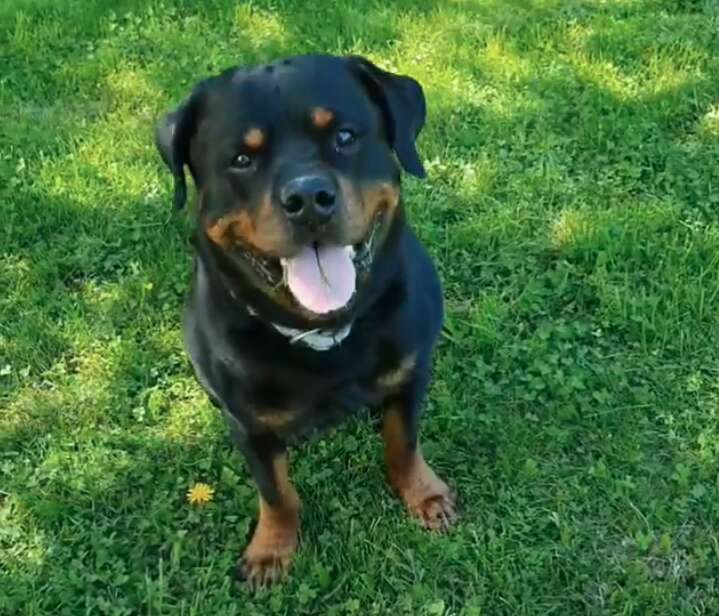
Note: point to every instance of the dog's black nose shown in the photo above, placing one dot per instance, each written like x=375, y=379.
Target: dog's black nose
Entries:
x=309, y=199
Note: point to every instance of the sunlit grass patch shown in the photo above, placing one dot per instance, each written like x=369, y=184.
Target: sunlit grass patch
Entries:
x=256, y=26
x=709, y=122
x=570, y=228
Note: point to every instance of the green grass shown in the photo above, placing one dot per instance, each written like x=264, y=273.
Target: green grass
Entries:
x=571, y=206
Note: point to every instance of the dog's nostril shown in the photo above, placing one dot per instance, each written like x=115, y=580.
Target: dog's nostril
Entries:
x=325, y=199
x=309, y=199
x=293, y=204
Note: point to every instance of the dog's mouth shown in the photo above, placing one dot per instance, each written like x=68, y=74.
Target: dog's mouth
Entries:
x=321, y=277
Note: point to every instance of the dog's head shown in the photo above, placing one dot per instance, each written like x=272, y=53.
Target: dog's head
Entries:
x=297, y=168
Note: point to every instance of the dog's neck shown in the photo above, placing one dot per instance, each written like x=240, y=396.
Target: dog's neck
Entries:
x=316, y=339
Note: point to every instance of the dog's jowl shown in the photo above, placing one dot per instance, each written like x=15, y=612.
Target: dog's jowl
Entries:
x=311, y=296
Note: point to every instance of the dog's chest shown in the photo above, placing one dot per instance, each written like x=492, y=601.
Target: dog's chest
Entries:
x=298, y=404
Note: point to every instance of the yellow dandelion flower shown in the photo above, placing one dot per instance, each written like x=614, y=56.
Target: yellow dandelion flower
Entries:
x=200, y=493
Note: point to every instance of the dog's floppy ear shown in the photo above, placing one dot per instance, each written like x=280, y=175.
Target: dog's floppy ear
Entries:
x=172, y=137
x=402, y=102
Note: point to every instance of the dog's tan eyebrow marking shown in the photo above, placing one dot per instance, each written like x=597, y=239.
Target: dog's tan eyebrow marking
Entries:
x=254, y=138
x=321, y=117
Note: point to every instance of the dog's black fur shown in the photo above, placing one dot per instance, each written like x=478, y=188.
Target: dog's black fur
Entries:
x=273, y=391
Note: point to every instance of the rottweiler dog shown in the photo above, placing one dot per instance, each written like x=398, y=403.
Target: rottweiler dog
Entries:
x=311, y=296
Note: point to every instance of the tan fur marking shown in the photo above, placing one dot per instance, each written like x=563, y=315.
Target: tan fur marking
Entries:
x=396, y=449
x=399, y=375
x=267, y=232
x=322, y=117
x=226, y=229
x=425, y=495
x=254, y=138
x=268, y=556
x=276, y=419
x=273, y=233
x=364, y=204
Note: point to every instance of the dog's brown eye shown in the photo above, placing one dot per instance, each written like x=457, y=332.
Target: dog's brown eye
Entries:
x=345, y=138
x=241, y=161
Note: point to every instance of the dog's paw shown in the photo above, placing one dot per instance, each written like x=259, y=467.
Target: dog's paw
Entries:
x=268, y=556
x=426, y=496
x=435, y=512
x=264, y=569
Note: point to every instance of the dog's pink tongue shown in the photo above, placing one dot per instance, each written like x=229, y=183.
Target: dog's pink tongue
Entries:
x=322, y=279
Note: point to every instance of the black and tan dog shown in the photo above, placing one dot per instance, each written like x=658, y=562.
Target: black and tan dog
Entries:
x=311, y=295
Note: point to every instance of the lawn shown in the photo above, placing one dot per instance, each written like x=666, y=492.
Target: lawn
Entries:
x=571, y=205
